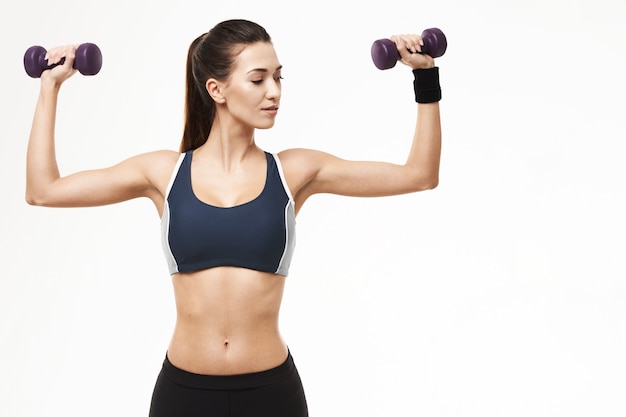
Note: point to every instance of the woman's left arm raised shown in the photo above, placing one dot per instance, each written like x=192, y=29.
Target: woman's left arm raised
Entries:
x=312, y=172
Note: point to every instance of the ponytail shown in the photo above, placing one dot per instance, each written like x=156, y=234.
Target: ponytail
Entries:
x=199, y=107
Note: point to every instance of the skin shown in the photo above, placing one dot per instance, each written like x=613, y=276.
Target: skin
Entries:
x=227, y=317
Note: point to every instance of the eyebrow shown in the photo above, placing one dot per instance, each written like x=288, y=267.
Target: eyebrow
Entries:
x=265, y=69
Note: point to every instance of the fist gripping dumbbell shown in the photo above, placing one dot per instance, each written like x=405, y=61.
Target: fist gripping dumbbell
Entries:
x=385, y=54
x=88, y=60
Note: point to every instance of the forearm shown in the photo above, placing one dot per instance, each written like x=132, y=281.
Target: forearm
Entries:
x=425, y=154
x=41, y=165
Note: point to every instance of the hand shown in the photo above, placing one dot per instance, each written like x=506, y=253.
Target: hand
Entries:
x=60, y=73
x=408, y=48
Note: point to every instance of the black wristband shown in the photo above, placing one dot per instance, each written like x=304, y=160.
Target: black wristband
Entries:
x=426, y=85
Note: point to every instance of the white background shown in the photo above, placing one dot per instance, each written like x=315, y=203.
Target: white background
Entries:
x=501, y=293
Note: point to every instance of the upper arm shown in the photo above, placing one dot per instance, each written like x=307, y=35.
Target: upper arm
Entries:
x=144, y=175
x=313, y=172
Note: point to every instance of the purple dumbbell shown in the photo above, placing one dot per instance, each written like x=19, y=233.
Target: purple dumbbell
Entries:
x=385, y=54
x=88, y=60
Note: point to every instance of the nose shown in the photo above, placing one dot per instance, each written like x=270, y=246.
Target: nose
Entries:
x=273, y=89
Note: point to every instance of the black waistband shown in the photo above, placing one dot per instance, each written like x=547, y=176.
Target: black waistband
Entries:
x=229, y=382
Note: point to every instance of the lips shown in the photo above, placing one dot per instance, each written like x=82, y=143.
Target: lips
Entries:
x=270, y=111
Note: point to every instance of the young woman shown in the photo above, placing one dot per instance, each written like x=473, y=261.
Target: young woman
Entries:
x=228, y=214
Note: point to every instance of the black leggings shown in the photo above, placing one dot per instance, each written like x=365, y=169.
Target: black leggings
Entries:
x=277, y=392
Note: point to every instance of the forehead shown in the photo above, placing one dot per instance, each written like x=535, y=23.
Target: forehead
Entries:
x=259, y=55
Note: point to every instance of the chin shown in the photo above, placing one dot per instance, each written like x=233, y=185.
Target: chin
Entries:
x=266, y=125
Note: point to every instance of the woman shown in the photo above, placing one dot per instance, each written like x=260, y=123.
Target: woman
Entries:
x=228, y=214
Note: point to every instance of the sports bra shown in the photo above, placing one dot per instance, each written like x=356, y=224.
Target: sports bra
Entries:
x=258, y=235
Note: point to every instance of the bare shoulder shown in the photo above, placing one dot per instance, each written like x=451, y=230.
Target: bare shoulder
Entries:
x=155, y=169
x=158, y=165
x=302, y=159
x=299, y=163
x=148, y=174
x=164, y=156
x=301, y=166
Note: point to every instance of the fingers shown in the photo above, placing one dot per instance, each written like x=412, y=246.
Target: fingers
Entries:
x=60, y=63
x=55, y=55
x=410, y=50
x=411, y=43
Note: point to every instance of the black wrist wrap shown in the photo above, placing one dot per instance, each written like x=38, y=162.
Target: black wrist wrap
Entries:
x=426, y=85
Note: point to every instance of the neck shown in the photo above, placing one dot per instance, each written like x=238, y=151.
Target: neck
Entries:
x=229, y=144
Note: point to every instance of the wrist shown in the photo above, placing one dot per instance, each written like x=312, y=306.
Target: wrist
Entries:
x=426, y=85
x=50, y=86
x=427, y=65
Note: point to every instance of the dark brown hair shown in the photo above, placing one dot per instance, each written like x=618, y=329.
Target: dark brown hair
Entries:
x=211, y=55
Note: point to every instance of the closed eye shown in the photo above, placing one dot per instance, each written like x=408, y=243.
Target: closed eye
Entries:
x=258, y=82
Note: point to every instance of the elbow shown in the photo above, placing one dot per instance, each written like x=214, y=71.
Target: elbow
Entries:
x=32, y=200
x=434, y=183
x=32, y=196
x=421, y=177
x=424, y=182
x=36, y=198
x=38, y=193
x=429, y=184
x=434, y=180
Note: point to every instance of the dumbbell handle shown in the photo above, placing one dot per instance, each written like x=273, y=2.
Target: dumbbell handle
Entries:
x=385, y=53
x=88, y=60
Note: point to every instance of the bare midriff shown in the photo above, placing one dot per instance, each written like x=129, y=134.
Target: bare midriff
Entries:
x=227, y=321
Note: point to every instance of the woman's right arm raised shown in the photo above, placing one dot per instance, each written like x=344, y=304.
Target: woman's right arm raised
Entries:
x=140, y=176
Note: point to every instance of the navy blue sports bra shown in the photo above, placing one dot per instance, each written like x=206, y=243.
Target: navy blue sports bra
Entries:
x=259, y=234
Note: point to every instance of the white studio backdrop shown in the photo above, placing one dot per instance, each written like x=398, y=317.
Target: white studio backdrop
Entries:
x=500, y=293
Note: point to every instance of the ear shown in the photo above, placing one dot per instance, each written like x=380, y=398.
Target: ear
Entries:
x=214, y=88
